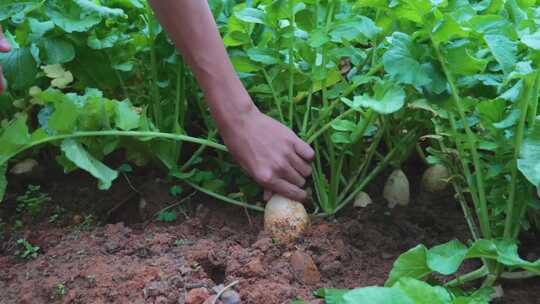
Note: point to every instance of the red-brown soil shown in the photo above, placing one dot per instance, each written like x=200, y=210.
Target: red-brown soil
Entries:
x=113, y=257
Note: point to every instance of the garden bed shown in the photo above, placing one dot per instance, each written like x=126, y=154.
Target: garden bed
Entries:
x=91, y=254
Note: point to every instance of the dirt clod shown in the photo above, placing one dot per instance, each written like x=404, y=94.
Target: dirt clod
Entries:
x=304, y=268
x=197, y=296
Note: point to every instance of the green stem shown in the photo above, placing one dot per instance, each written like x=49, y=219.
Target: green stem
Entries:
x=308, y=112
x=380, y=166
x=147, y=134
x=519, y=136
x=328, y=125
x=518, y=275
x=484, y=214
x=471, y=276
x=224, y=198
x=291, y=66
x=274, y=95
x=461, y=198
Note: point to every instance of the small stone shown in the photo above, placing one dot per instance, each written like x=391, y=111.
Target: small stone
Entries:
x=197, y=296
x=112, y=247
x=255, y=267
x=387, y=256
x=24, y=167
x=362, y=200
x=498, y=292
x=304, y=268
x=161, y=300
x=230, y=297
x=154, y=289
x=77, y=219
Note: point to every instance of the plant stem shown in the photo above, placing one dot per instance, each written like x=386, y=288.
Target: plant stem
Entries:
x=461, y=198
x=484, y=215
x=308, y=111
x=80, y=134
x=519, y=136
x=471, y=276
x=224, y=198
x=274, y=95
x=518, y=275
x=380, y=166
x=291, y=66
x=328, y=125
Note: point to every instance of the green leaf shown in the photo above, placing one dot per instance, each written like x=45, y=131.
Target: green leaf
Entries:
x=377, y=295
x=331, y=295
x=412, y=263
x=38, y=28
x=508, y=121
x=388, y=98
x=343, y=125
x=460, y=61
x=125, y=116
x=446, y=258
x=532, y=40
x=13, y=137
x=401, y=61
x=20, y=68
x=78, y=15
x=76, y=153
x=251, y=15
x=64, y=117
x=58, y=51
x=166, y=216
x=421, y=292
x=414, y=10
x=10, y=8
x=448, y=29
x=263, y=55
x=358, y=28
x=529, y=158
x=3, y=181
x=504, y=50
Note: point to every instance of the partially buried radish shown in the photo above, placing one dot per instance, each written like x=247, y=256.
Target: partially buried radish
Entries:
x=435, y=178
x=396, y=189
x=285, y=219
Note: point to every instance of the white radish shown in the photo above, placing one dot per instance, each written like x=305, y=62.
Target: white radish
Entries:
x=396, y=189
x=435, y=178
x=285, y=219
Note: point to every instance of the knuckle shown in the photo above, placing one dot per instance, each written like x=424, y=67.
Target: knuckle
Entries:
x=264, y=177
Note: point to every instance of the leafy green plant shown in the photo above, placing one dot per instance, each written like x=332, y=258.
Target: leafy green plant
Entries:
x=27, y=250
x=166, y=216
x=31, y=202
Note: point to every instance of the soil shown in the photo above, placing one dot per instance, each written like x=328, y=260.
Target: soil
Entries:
x=103, y=247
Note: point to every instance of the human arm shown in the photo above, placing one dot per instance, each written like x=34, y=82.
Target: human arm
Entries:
x=269, y=151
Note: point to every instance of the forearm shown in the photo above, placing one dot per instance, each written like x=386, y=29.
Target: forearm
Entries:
x=192, y=28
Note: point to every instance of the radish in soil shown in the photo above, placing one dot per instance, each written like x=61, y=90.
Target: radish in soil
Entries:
x=285, y=219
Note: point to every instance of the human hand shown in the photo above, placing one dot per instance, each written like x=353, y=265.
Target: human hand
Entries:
x=271, y=153
x=4, y=48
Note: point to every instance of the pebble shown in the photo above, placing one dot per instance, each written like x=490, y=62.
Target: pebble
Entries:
x=197, y=296
x=24, y=167
x=304, y=268
x=230, y=297
x=154, y=289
